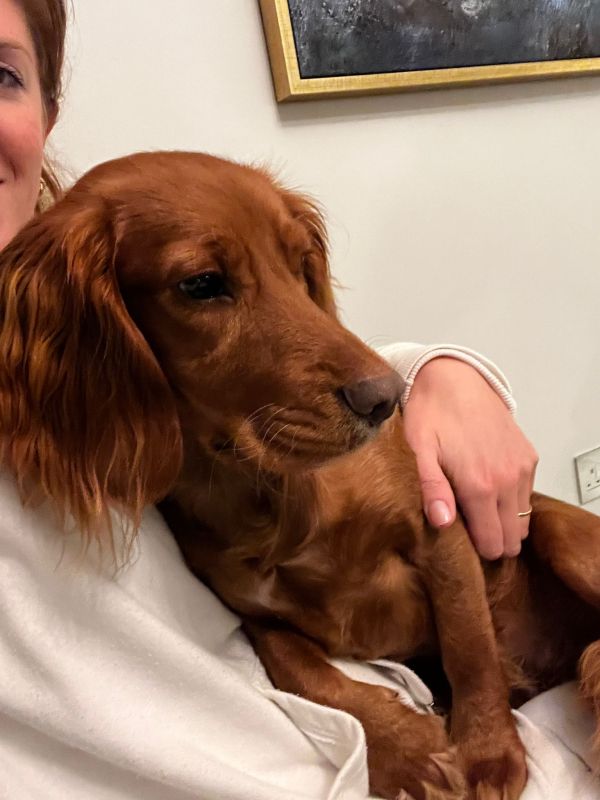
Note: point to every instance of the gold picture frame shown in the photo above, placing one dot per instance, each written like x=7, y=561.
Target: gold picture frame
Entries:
x=290, y=85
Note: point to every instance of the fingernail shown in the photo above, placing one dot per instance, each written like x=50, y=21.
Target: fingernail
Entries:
x=438, y=513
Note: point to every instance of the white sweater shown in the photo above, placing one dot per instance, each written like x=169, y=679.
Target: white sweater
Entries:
x=141, y=684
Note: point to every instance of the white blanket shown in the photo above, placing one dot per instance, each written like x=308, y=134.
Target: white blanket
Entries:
x=141, y=685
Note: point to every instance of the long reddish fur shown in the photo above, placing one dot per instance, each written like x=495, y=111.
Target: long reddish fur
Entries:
x=116, y=394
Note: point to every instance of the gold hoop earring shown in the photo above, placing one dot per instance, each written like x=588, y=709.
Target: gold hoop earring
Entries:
x=44, y=197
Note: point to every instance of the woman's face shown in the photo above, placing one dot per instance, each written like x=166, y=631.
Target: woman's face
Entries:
x=23, y=123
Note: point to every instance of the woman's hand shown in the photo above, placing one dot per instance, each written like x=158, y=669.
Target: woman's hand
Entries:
x=468, y=446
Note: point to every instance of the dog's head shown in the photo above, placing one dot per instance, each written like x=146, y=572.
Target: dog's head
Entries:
x=175, y=298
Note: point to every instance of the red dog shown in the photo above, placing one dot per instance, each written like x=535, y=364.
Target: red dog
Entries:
x=169, y=331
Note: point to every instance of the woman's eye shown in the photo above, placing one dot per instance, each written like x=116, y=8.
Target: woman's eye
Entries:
x=9, y=79
x=206, y=286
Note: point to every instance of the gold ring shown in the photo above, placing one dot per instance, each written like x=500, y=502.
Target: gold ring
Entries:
x=525, y=513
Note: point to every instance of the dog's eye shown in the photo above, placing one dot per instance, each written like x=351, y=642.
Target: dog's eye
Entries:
x=206, y=286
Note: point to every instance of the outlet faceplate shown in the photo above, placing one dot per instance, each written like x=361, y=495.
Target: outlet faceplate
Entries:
x=587, y=467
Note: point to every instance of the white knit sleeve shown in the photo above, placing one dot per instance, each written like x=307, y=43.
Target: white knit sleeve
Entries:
x=407, y=359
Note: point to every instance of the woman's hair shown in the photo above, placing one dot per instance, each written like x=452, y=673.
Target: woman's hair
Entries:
x=47, y=23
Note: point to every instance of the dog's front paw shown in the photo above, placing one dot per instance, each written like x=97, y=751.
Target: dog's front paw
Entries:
x=495, y=768
x=421, y=766
x=438, y=776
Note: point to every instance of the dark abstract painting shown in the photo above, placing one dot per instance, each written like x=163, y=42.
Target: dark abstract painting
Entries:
x=361, y=37
x=337, y=48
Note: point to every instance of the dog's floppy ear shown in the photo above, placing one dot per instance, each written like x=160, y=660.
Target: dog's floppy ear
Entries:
x=86, y=414
x=316, y=269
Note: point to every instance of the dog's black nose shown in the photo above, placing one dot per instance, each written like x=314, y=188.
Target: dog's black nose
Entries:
x=373, y=399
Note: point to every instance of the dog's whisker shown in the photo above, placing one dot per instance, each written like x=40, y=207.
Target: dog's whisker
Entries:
x=251, y=417
x=291, y=447
x=266, y=433
x=273, y=415
x=278, y=433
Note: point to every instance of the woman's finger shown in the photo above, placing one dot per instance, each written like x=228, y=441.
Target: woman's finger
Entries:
x=484, y=525
x=438, y=498
x=512, y=524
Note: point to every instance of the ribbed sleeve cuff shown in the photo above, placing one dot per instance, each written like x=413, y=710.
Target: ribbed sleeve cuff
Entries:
x=408, y=358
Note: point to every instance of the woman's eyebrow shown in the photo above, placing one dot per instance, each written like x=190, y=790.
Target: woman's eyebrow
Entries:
x=9, y=44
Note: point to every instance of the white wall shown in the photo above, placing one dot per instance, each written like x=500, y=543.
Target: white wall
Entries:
x=467, y=215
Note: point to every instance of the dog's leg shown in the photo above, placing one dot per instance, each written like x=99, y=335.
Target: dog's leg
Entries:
x=567, y=538
x=481, y=724
x=406, y=751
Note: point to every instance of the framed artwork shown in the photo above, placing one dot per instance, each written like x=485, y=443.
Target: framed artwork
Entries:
x=331, y=48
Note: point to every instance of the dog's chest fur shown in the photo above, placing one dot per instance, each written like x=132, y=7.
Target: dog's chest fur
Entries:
x=333, y=556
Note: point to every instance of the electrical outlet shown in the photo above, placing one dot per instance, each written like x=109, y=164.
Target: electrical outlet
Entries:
x=587, y=467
